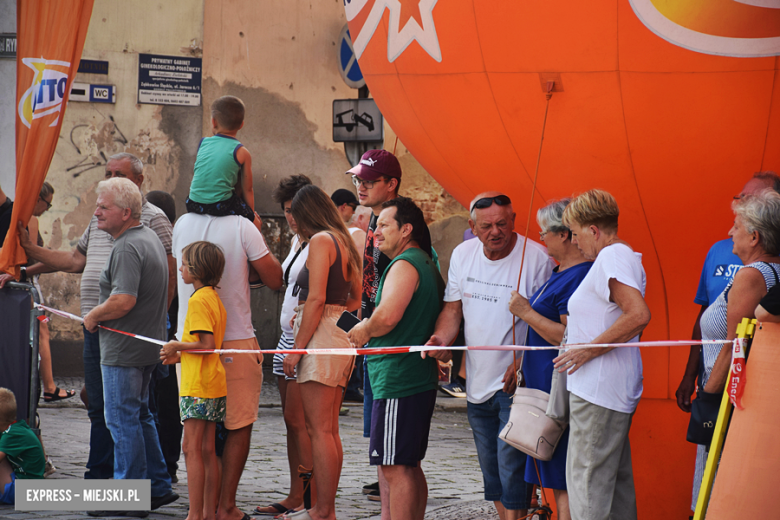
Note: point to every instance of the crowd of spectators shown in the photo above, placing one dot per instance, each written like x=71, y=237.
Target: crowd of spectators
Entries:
x=372, y=256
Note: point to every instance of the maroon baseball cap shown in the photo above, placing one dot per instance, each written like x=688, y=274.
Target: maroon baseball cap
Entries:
x=377, y=163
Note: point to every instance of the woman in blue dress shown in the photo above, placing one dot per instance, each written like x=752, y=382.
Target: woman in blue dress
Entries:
x=545, y=313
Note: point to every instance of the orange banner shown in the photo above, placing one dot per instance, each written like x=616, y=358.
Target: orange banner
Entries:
x=50, y=36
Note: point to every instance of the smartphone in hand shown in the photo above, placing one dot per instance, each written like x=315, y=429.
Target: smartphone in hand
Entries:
x=346, y=321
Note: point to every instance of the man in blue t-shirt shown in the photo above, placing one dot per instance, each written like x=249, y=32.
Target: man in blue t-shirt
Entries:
x=719, y=269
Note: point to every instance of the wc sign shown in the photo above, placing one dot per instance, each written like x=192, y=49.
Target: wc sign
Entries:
x=88, y=93
x=102, y=93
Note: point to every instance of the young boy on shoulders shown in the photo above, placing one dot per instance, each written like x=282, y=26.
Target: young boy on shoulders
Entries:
x=222, y=180
x=21, y=453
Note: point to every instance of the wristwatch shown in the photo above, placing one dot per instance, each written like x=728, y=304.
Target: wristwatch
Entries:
x=23, y=275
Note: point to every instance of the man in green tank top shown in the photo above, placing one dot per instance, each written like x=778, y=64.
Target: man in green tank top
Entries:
x=404, y=385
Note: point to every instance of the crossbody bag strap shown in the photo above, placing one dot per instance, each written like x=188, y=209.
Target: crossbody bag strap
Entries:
x=289, y=267
x=774, y=272
x=528, y=332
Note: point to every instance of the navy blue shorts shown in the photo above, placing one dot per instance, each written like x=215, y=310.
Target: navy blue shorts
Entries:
x=399, y=429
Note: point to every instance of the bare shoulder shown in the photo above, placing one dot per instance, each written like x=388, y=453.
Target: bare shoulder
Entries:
x=321, y=242
x=243, y=154
x=748, y=276
x=403, y=268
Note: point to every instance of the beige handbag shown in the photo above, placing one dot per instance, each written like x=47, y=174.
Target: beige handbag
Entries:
x=529, y=429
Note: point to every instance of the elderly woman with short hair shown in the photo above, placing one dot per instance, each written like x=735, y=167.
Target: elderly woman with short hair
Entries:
x=756, y=237
x=546, y=314
x=606, y=382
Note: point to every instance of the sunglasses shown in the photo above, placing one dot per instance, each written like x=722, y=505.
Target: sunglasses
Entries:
x=501, y=200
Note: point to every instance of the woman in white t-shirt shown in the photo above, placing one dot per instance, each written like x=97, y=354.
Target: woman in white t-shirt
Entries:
x=605, y=384
x=298, y=442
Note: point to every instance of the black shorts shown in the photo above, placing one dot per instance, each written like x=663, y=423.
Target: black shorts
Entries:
x=399, y=429
x=235, y=205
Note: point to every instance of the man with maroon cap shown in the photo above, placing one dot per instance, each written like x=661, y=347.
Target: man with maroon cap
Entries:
x=377, y=177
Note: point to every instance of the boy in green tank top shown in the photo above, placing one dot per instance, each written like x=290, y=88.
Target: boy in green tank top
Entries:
x=408, y=303
x=222, y=179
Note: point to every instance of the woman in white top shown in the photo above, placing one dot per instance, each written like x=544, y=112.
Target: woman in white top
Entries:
x=298, y=442
x=605, y=383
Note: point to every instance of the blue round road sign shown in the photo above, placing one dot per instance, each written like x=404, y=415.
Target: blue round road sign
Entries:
x=348, y=64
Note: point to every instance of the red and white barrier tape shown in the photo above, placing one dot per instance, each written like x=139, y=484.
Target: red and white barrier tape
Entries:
x=81, y=320
x=400, y=349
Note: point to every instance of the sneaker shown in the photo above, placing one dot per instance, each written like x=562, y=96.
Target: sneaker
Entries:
x=368, y=488
x=374, y=496
x=454, y=389
x=49, y=468
x=343, y=411
x=158, y=502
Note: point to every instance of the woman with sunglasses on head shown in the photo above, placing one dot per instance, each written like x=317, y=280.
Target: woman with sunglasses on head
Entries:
x=546, y=313
x=605, y=383
x=328, y=284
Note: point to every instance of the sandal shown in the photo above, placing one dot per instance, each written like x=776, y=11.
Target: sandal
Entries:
x=50, y=397
x=278, y=510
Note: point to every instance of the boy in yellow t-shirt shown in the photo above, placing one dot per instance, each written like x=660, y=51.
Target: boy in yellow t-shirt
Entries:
x=203, y=387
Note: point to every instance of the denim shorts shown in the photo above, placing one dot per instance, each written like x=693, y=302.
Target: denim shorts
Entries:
x=503, y=467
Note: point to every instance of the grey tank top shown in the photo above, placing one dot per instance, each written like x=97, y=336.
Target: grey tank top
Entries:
x=338, y=288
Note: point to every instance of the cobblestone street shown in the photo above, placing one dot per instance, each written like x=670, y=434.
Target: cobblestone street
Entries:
x=451, y=466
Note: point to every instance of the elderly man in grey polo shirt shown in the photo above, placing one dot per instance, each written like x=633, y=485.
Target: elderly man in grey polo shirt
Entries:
x=133, y=298
x=90, y=257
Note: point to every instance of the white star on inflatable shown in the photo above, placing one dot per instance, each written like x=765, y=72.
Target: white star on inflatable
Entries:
x=398, y=38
